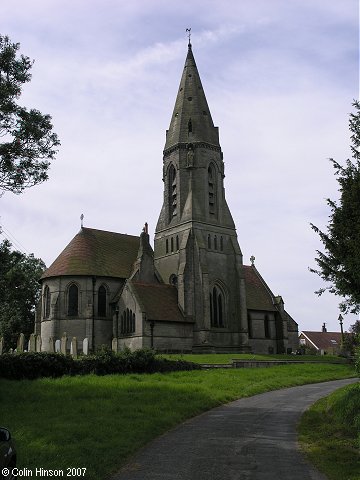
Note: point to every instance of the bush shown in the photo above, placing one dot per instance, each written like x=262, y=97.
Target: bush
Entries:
x=31, y=365
x=357, y=360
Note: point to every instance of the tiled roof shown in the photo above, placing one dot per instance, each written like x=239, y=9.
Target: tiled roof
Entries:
x=96, y=252
x=160, y=301
x=323, y=340
x=258, y=294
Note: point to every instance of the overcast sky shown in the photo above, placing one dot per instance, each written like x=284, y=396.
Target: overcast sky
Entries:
x=279, y=76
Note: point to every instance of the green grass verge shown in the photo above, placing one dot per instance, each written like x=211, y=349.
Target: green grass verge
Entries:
x=213, y=358
x=98, y=422
x=329, y=434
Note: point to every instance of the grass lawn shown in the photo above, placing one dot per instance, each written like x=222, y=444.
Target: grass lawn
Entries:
x=211, y=358
x=98, y=422
x=330, y=434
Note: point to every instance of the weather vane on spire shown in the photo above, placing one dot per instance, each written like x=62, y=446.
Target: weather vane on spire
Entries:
x=189, y=35
x=82, y=220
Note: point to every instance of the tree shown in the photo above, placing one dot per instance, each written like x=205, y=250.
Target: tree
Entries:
x=352, y=339
x=339, y=265
x=20, y=291
x=28, y=142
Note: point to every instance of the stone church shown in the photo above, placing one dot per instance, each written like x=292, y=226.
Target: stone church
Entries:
x=192, y=293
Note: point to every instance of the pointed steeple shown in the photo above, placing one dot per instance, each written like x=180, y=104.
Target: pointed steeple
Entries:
x=191, y=120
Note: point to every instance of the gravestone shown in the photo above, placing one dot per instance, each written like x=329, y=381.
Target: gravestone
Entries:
x=51, y=348
x=20, y=343
x=38, y=343
x=32, y=343
x=114, y=345
x=63, y=343
x=73, y=347
x=57, y=346
x=86, y=346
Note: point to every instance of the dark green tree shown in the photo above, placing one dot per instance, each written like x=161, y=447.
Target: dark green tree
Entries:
x=352, y=338
x=20, y=291
x=339, y=264
x=27, y=140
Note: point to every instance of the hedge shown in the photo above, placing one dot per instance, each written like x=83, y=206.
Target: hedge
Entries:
x=31, y=365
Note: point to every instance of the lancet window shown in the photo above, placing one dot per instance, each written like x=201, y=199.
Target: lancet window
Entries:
x=217, y=304
x=73, y=300
x=127, y=324
x=102, y=301
x=46, y=304
x=267, y=326
x=250, y=329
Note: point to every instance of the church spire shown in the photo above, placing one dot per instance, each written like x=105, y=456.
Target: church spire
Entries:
x=191, y=120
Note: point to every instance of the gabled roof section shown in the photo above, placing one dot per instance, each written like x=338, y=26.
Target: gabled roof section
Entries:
x=191, y=121
x=323, y=340
x=258, y=294
x=160, y=301
x=96, y=252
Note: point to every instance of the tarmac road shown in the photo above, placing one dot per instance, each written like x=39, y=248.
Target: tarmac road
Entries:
x=250, y=439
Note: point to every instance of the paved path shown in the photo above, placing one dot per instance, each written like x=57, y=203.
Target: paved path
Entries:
x=249, y=439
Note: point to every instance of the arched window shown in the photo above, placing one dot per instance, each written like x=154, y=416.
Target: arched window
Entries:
x=172, y=244
x=102, y=301
x=217, y=314
x=221, y=243
x=172, y=192
x=177, y=242
x=73, y=300
x=215, y=242
x=167, y=245
x=209, y=240
x=212, y=189
x=46, y=304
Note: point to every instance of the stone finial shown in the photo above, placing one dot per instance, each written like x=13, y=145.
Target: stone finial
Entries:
x=252, y=260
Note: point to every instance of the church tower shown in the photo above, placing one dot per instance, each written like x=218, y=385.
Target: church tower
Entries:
x=196, y=246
